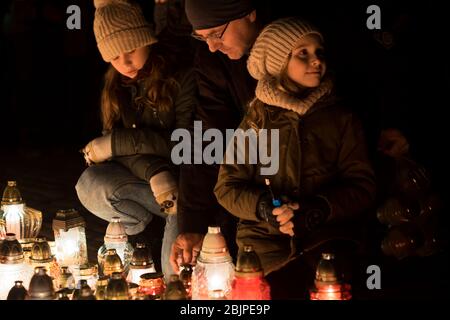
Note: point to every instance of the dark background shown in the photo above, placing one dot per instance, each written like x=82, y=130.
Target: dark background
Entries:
x=51, y=79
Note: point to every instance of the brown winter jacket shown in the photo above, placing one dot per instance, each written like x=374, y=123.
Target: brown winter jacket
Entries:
x=322, y=153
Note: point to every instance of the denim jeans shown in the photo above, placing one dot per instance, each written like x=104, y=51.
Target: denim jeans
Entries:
x=110, y=190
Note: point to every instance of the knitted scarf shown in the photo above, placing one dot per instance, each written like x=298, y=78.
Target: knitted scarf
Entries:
x=270, y=93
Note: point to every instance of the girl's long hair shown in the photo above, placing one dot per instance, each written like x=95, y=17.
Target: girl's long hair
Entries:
x=159, y=80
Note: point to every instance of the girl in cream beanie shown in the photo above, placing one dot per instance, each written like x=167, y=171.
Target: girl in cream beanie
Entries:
x=324, y=177
x=130, y=174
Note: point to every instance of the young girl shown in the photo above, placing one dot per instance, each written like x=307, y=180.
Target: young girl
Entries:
x=143, y=100
x=324, y=175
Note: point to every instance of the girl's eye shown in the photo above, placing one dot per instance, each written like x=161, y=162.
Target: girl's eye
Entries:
x=302, y=52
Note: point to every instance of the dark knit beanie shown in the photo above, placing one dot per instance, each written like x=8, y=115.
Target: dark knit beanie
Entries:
x=206, y=14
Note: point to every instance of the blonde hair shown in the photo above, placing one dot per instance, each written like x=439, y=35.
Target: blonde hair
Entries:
x=159, y=80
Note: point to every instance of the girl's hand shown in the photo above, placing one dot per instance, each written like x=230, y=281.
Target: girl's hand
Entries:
x=284, y=214
x=98, y=150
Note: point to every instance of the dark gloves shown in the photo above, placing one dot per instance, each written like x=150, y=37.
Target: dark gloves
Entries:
x=264, y=210
x=313, y=212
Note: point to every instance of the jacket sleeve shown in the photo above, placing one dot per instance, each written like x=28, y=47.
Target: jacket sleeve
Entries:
x=186, y=100
x=354, y=190
x=130, y=141
x=143, y=166
x=235, y=189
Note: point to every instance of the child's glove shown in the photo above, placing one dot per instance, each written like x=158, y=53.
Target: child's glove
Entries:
x=264, y=210
x=98, y=150
x=165, y=190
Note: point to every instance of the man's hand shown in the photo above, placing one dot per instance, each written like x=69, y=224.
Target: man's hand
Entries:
x=98, y=150
x=186, y=247
x=284, y=214
x=393, y=143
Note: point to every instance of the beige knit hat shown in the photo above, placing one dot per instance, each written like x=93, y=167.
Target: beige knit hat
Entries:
x=274, y=44
x=120, y=26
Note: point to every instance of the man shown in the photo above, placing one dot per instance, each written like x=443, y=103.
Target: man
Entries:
x=229, y=28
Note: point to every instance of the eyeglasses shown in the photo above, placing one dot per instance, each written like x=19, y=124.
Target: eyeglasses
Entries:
x=214, y=36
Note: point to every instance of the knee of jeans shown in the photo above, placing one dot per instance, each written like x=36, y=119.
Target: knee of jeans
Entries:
x=82, y=185
x=120, y=192
x=90, y=189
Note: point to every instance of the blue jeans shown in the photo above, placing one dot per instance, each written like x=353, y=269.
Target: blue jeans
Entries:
x=110, y=190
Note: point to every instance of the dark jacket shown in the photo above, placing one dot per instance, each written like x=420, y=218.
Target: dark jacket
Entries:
x=141, y=140
x=224, y=87
x=322, y=153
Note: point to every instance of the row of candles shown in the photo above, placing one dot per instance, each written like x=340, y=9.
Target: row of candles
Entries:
x=124, y=272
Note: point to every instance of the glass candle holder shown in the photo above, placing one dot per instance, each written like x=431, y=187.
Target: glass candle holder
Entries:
x=16, y=217
x=328, y=284
x=249, y=282
x=12, y=265
x=116, y=238
x=70, y=238
x=214, y=269
x=152, y=285
x=141, y=263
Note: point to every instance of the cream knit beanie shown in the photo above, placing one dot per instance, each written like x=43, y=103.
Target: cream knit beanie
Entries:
x=274, y=44
x=119, y=27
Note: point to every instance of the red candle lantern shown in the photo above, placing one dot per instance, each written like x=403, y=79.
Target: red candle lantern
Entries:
x=328, y=286
x=249, y=282
x=152, y=285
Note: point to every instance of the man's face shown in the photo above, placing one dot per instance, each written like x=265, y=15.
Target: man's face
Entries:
x=234, y=38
